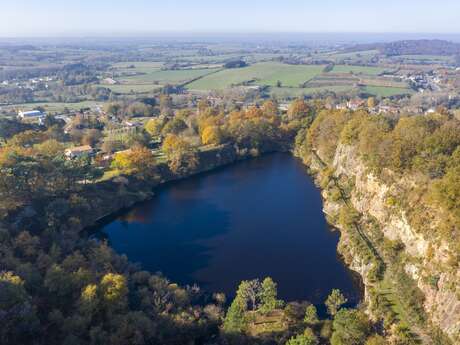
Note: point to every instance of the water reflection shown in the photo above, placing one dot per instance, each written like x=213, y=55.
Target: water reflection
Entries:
x=257, y=218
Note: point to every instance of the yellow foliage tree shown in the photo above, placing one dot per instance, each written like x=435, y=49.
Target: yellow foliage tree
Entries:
x=138, y=160
x=371, y=103
x=181, y=155
x=154, y=126
x=211, y=135
x=114, y=288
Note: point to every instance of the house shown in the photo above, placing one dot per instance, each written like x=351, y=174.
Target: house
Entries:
x=34, y=114
x=355, y=104
x=79, y=151
x=283, y=107
x=388, y=109
x=109, y=81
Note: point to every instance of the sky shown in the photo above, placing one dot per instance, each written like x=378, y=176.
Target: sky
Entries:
x=31, y=18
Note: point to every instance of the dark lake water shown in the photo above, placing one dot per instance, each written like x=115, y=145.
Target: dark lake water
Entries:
x=257, y=218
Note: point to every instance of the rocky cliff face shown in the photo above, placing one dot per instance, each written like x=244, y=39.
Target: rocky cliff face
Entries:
x=427, y=258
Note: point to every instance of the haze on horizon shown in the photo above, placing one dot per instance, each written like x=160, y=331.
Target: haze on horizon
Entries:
x=33, y=18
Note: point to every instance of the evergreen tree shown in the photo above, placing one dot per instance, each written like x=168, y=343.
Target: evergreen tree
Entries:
x=235, y=320
x=335, y=300
x=311, y=315
x=268, y=296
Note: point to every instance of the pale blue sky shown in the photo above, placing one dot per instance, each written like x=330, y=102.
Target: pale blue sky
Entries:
x=105, y=17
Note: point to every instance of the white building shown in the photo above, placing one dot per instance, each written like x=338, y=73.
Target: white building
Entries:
x=79, y=151
x=34, y=114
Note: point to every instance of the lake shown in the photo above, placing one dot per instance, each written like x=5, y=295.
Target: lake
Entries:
x=256, y=218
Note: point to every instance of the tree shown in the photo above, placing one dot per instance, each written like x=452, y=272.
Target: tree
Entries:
x=211, y=135
x=91, y=137
x=89, y=299
x=401, y=335
x=268, y=296
x=236, y=320
x=138, y=160
x=376, y=340
x=307, y=338
x=174, y=126
x=165, y=105
x=182, y=157
x=351, y=327
x=139, y=109
x=299, y=109
x=249, y=291
x=311, y=315
x=17, y=314
x=334, y=301
x=114, y=289
x=270, y=108
x=50, y=148
x=113, y=108
x=371, y=103
x=154, y=126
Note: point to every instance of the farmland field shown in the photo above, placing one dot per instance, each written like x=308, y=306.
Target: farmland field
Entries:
x=358, y=69
x=427, y=58
x=266, y=73
x=139, y=66
x=130, y=88
x=292, y=92
x=165, y=77
x=55, y=106
x=383, y=91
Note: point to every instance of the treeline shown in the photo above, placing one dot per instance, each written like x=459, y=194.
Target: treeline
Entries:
x=411, y=47
x=426, y=148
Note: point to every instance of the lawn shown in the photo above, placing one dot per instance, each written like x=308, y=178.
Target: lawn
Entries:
x=265, y=73
x=358, y=69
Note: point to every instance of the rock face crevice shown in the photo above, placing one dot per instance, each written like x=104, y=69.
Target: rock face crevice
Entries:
x=427, y=258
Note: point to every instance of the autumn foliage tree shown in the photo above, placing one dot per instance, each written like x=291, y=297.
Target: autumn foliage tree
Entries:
x=182, y=157
x=138, y=161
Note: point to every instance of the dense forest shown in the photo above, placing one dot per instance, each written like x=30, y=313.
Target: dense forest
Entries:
x=59, y=286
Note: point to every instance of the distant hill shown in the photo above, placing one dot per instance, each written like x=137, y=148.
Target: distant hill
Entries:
x=412, y=47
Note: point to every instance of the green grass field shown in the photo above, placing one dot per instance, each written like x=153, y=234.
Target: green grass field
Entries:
x=293, y=92
x=52, y=107
x=383, y=91
x=166, y=77
x=265, y=73
x=130, y=88
x=139, y=66
x=357, y=69
x=428, y=58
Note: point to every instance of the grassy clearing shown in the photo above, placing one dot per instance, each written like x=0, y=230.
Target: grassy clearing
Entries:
x=383, y=91
x=265, y=73
x=266, y=324
x=358, y=69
